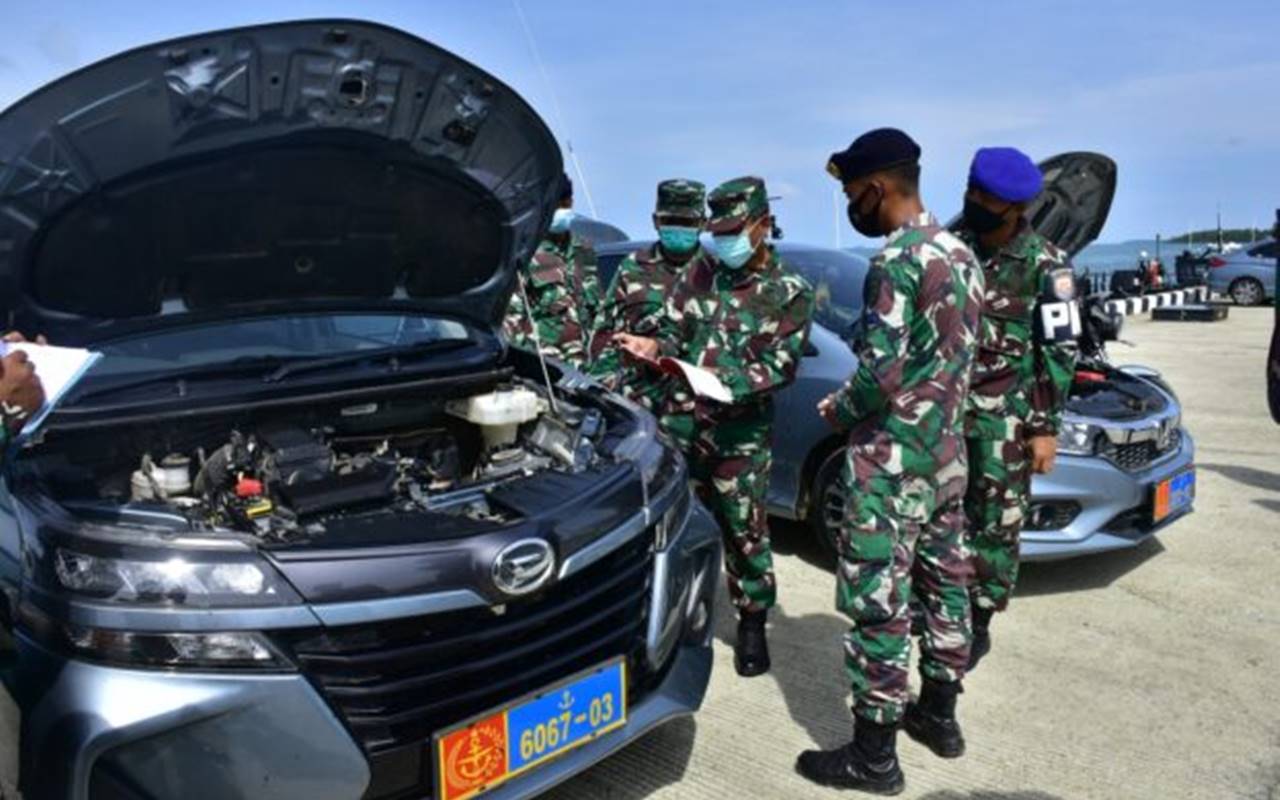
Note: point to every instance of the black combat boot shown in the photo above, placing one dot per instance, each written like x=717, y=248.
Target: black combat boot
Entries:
x=869, y=763
x=751, y=651
x=931, y=720
x=981, y=636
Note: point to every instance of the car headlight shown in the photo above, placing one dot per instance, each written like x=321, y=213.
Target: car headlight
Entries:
x=1077, y=438
x=221, y=649
x=173, y=581
x=215, y=649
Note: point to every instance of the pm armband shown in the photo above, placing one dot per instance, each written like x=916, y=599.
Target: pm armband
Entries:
x=1057, y=315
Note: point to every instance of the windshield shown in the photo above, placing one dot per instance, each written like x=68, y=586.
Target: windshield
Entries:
x=306, y=336
x=837, y=278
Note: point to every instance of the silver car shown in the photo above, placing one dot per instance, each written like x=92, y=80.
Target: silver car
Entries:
x=309, y=529
x=1125, y=469
x=1247, y=276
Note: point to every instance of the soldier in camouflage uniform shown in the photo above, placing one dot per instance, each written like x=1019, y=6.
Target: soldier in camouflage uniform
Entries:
x=558, y=292
x=1022, y=374
x=905, y=469
x=637, y=297
x=743, y=318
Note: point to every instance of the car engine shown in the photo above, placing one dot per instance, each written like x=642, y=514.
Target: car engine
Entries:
x=280, y=480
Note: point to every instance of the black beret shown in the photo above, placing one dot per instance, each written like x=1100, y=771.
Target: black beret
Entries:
x=566, y=188
x=880, y=149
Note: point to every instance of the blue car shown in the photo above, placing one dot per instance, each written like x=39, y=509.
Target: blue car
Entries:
x=1247, y=276
x=1124, y=465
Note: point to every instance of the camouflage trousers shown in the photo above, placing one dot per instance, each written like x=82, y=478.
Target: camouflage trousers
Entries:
x=733, y=487
x=996, y=506
x=902, y=534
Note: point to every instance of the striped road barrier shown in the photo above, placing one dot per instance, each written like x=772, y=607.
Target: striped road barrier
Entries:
x=1174, y=297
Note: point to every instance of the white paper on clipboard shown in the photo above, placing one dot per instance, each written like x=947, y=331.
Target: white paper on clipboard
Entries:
x=58, y=368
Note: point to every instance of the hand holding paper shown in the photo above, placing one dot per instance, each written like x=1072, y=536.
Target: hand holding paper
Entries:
x=703, y=382
x=37, y=376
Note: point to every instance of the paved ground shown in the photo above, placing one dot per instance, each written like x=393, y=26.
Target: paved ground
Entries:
x=1144, y=674
x=1151, y=673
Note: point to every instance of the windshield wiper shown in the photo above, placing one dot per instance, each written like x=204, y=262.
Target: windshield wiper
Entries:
x=234, y=367
x=392, y=354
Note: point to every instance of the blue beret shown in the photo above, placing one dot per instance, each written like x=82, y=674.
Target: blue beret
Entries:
x=1007, y=173
x=873, y=151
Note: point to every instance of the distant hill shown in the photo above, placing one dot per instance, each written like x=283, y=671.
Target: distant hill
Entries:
x=1241, y=235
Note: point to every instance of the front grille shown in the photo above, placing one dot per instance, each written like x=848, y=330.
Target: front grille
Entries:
x=396, y=682
x=1138, y=456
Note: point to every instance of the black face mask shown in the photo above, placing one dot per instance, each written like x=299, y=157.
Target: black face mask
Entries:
x=867, y=224
x=981, y=219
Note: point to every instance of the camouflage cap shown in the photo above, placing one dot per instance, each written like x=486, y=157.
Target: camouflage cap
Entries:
x=734, y=202
x=682, y=197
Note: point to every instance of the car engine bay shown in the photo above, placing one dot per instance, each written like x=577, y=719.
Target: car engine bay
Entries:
x=283, y=476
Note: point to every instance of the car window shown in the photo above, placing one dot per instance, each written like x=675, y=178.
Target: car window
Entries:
x=300, y=335
x=607, y=265
x=1267, y=250
x=837, y=278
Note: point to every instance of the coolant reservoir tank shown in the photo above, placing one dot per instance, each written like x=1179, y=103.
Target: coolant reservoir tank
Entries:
x=498, y=413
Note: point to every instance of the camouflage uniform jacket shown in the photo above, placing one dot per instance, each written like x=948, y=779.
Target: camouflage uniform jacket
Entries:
x=583, y=266
x=1015, y=377
x=636, y=303
x=904, y=404
x=749, y=328
x=553, y=308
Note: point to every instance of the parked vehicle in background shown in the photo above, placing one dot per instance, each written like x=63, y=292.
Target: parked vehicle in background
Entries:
x=596, y=231
x=310, y=529
x=1122, y=445
x=1247, y=275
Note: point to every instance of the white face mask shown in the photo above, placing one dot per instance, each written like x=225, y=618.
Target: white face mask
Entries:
x=561, y=220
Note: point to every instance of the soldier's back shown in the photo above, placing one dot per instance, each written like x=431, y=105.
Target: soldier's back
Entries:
x=944, y=282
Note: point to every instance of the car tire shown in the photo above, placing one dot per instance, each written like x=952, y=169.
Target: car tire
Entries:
x=826, y=505
x=1246, y=292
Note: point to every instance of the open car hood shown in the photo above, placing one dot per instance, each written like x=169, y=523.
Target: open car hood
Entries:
x=1075, y=202
x=328, y=164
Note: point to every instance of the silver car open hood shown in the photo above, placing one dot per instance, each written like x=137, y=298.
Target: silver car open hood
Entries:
x=304, y=165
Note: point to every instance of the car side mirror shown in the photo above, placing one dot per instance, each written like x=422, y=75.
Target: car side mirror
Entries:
x=811, y=350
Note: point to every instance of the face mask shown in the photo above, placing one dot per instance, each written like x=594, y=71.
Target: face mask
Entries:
x=867, y=224
x=560, y=220
x=735, y=249
x=678, y=239
x=981, y=219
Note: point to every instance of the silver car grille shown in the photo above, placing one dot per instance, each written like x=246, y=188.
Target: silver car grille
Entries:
x=1137, y=456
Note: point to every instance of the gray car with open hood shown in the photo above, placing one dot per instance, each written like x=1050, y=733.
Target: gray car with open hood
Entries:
x=309, y=528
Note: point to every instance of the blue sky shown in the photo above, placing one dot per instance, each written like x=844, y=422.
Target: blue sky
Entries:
x=1182, y=94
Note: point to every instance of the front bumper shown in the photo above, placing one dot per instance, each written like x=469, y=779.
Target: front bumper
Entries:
x=1114, y=505
x=112, y=733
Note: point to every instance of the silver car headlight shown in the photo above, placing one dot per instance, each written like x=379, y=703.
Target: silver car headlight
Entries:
x=1077, y=438
x=213, y=649
x=173, y=581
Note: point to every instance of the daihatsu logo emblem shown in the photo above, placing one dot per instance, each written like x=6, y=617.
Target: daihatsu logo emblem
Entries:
x=524, y=566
